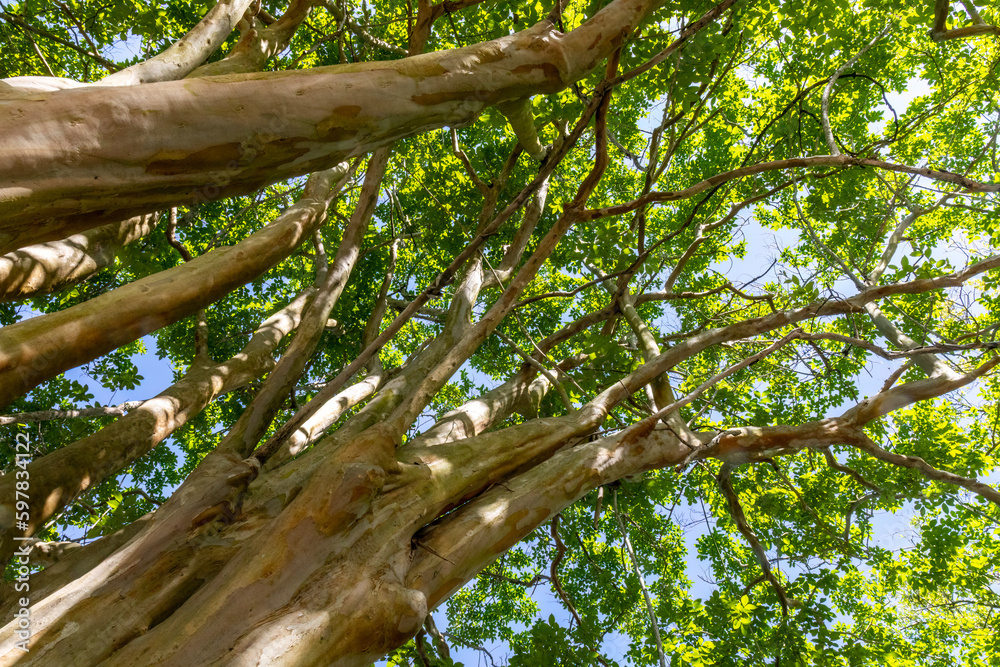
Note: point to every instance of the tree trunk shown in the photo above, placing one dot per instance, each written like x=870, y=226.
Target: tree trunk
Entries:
x=325, y=533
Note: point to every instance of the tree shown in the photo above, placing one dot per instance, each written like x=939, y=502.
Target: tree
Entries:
x=453, y=293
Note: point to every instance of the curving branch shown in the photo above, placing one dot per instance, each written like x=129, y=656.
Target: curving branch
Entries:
x=964, y=182
x=740, y=519
x=831, y=143
x=865, y=443
x=246, y=131
x=940, y=31
x=39, y=348
x=927, y=361
x=183, y=56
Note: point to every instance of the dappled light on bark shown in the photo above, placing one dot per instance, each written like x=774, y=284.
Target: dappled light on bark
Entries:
x=462, y=299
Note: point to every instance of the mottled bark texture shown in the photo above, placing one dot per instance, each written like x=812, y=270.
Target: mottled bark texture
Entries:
x=310, y=545
x=39, y=348
x=85, y=156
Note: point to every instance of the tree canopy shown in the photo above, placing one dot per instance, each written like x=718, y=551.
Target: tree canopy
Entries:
x=678, y=316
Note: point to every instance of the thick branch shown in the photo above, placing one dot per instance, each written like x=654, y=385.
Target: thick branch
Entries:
x=245, y=131
x=258, y=43
x=59, y=477
x=183, y=56
x=49, y=267
x=39, y=348
x=940, y=32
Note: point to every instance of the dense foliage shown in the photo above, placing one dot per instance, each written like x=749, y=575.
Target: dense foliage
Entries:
x=867, y=561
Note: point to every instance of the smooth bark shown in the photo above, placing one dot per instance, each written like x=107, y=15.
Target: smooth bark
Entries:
x=48, y=267
x=78, y=158
x=37, y=349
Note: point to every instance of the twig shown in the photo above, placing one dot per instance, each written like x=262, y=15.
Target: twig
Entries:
x=554, y=570
x=340, y=14
x=48, y=415
x=642, y=581
x=831, y=460
x=464, y=159
x=421, y=650
x=437, y=637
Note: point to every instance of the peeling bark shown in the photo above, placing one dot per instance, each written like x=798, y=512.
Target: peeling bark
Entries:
x=119, y=154
x=183, y=56
x=37, y=349
x=331, y=547
x=59, y=477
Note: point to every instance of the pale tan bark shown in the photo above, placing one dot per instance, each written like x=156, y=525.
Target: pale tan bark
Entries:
x=49, y=415
x=468, y=539
x=258, y=43
x=135, y=149
x=327, y=559
x=183, y=56
x=37, y=349
x=940, y=31
x=532, y=214
x=48, y=267
x=336, y=556
x=341, y=528
x=474, y=335
x=258, y=416
x=62, y=475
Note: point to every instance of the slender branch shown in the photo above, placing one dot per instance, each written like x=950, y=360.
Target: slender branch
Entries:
x=563, y=396
x=437, y=637
x=688, y=32
x=444, y=278
x=646, y=423
x=902, y=354
x=49, y=415
x=863, y=442
x=847, y=470
x=740, y=519
x=897, y=235
x=964, y=182
x=72, y=17
x=464, y=159
x=554, y=570
x=642, y=582
x=831, y=143
x=341, y=15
